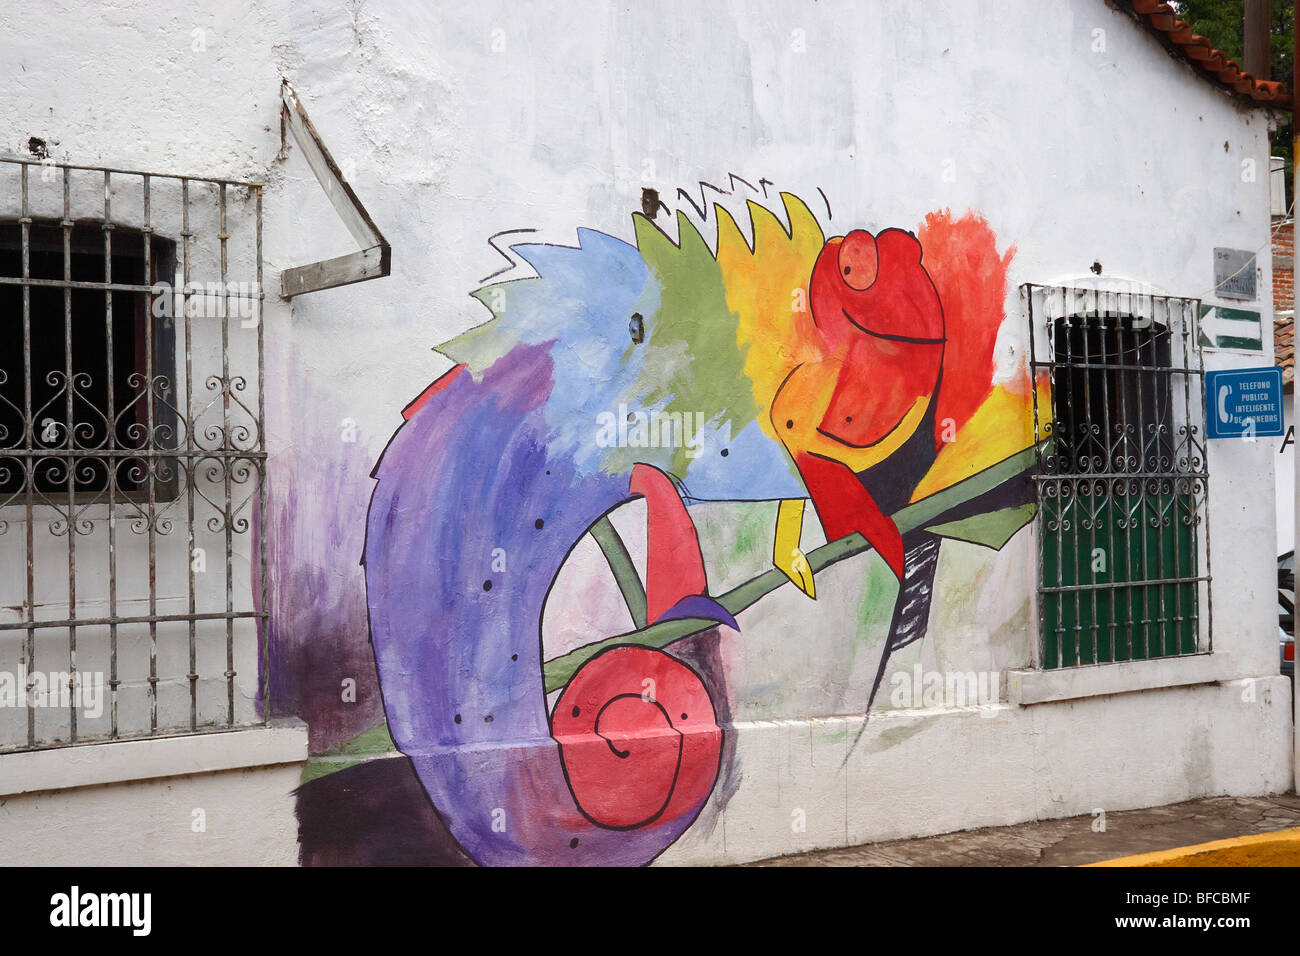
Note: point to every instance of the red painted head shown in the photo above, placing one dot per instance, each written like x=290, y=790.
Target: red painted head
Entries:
x=875, y=306
x=877, y=285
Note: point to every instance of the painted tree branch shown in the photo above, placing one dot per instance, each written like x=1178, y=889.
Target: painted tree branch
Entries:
x=558, y=670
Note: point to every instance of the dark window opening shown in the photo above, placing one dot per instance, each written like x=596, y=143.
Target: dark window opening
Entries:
x=1112, y=396
x=88, y=410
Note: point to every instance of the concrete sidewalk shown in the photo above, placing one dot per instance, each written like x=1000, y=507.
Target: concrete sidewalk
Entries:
x=1072, y=841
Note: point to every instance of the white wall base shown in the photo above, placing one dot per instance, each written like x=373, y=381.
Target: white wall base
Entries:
x=209, y=800
x=923, y=772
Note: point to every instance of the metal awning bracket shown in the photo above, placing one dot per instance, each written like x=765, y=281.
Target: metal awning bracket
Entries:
x=374, y=258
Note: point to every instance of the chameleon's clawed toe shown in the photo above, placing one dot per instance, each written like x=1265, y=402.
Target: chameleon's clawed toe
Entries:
x=786, y=555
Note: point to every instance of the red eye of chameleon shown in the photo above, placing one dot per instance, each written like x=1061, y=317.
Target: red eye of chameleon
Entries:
x=857, y=259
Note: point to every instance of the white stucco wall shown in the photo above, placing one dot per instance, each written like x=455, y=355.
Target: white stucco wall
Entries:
x=237, y=818
x=1064, y=124
x=1285, y=475
x=207, y=799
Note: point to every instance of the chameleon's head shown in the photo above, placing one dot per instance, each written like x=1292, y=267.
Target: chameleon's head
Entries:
x=877, y=285
x=878, y=312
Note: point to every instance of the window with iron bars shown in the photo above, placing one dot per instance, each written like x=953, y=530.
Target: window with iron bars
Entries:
x=132, y=455
x=1122, y=527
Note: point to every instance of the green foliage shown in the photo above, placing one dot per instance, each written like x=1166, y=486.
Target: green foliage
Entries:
x=1222, y=22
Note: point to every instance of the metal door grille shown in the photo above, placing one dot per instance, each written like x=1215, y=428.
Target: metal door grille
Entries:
x=1123, y=533
x=132, y=455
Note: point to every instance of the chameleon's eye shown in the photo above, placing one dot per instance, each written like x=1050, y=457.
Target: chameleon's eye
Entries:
x=857, y=259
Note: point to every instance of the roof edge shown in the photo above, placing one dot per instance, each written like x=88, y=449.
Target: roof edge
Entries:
x=1161, y=20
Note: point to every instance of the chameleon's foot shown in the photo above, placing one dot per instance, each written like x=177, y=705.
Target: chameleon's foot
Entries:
x=786, y=554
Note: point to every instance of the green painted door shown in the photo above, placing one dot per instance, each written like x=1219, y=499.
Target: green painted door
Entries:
x=1119, y=572
x=1119, y=497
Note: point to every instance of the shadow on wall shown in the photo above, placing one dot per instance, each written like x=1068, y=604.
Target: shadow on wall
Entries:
x=373, y=814
x=322, y=664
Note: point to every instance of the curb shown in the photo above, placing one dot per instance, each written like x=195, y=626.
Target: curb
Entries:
x=1280, y=848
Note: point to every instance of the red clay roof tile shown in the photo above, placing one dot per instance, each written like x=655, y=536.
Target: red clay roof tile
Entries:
x=1162, y=20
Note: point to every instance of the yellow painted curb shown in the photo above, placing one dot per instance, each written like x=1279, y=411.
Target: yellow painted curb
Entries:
x=1280, y=848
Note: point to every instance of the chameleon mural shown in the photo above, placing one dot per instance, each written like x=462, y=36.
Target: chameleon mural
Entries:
x=855, y=371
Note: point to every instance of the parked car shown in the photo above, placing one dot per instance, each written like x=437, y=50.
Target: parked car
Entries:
x=1286, y=612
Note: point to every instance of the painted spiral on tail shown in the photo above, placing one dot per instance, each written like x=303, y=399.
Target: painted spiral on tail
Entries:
x=638, y=736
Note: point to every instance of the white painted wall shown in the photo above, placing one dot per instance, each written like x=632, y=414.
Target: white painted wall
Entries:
x=246, y=819
x=1285, y=474
x=926, y=772
x=1066, y=125
x=207, y=799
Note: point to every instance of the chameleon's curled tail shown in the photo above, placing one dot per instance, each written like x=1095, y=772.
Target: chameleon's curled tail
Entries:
x=473, y=514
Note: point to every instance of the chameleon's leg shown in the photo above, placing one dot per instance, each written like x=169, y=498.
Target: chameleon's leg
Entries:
x=786, y=554
x=844, y=505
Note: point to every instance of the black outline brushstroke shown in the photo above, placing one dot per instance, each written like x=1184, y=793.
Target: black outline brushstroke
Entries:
x=504, y=254
x=913, y=340
x=732, y=180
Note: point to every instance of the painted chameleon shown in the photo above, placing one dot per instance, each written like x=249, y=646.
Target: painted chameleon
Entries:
x=857, y=372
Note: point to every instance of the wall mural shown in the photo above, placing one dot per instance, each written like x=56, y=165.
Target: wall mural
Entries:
x=854, y=372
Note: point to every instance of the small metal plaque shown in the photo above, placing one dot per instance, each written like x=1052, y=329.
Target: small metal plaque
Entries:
x=1234, y=274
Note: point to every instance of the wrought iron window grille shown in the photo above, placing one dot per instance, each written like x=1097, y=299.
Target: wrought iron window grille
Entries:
x=1122, y=477
x=132, y=455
